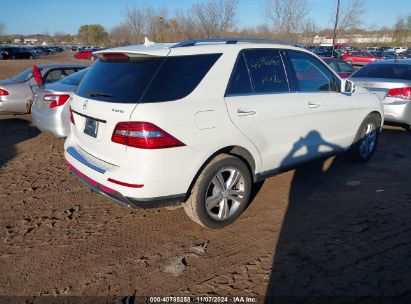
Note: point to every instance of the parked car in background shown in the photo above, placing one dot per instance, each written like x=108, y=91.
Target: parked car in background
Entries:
x=341, y=67
x=16, y=93
x=391, y=81
x=405, y=55
x=13, y=52
x=86, y=54
x=359, y=57
x=397, y=49
x=50, y=109
x=384, y=54
x=200, y=121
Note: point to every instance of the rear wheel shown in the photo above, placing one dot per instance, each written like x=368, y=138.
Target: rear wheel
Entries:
x=221, y=192
x=366, y=140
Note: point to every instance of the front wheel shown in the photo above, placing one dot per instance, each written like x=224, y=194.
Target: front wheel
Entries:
x=220, y=193
x=366, y=140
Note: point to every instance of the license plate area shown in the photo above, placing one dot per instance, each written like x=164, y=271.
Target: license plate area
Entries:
x=91, y=127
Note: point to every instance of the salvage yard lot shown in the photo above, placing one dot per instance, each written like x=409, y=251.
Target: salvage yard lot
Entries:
x=327, y=228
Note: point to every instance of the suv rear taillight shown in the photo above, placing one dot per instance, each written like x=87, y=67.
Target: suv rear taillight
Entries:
x=56, y=100
x=3, y=92
x=403, y=93
x=143, y=135
x=71, y=116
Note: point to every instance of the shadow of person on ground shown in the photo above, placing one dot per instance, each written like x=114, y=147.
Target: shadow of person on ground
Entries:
x=334, y=246
x=12, y=132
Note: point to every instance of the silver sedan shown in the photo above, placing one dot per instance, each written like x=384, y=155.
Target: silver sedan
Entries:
x=391, y=81
x=16, y=93
x=50, y=110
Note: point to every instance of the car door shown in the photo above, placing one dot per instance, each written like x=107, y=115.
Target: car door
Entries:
x=329, y=113
x=261, y=106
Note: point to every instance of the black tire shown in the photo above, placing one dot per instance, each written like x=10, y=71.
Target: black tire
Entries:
x=206, y=185
x=366, y=140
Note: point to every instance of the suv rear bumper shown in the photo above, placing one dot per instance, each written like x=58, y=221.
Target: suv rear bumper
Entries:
x=122, y=200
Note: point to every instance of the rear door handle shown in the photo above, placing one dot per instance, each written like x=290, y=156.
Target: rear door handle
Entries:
x=313, y=105
x=245, y=112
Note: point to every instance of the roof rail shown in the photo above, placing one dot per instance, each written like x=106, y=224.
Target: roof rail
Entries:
x=234, y=41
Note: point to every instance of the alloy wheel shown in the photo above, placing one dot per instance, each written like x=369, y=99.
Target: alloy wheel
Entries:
x=368, y=140
x=225, y=193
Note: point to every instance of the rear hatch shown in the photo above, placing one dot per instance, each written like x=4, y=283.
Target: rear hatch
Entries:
x=108, y=95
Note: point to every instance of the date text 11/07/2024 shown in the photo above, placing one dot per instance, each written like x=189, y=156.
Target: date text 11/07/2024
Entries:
x=202, y=299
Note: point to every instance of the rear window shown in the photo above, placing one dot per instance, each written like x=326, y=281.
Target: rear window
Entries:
x=25, y=75
x=145, y=79
x=120, y=81
x=388, y=71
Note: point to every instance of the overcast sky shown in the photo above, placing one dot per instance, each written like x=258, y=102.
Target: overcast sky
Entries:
x=50, y=16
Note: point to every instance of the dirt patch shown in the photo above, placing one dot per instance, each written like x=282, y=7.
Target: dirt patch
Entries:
x=308, y=232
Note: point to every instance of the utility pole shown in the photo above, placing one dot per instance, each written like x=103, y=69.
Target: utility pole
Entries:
x=335, y=26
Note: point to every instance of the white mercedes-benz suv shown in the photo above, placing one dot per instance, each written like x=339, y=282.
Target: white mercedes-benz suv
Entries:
x=200, y=121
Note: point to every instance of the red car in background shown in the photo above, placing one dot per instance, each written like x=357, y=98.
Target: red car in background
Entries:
x=359, y=57
x=86, y=54
x=341, y=67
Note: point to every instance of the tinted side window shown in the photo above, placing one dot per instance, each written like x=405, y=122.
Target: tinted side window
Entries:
x=240, y=79
x=266, y=71
x=311, y=74
x=178, y=77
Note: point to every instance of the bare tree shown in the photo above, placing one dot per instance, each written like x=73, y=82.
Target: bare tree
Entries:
x=136, y=22
x=183, y=26
x=402, y=30
x=286, y=16
x=350, y=15
x=216, y=17
x=121, y=34
x=309, y=30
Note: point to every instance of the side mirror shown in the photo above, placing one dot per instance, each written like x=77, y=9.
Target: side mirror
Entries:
x=347, y=86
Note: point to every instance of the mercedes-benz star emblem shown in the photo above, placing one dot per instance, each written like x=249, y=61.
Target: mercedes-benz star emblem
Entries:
x=85, y=104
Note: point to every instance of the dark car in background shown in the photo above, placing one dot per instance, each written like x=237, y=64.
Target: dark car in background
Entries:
x=384, y=54
x=13, y=52
x=390, y=80
x=405, y=55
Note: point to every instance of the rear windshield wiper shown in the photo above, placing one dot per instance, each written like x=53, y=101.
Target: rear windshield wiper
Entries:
x=99, y=94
